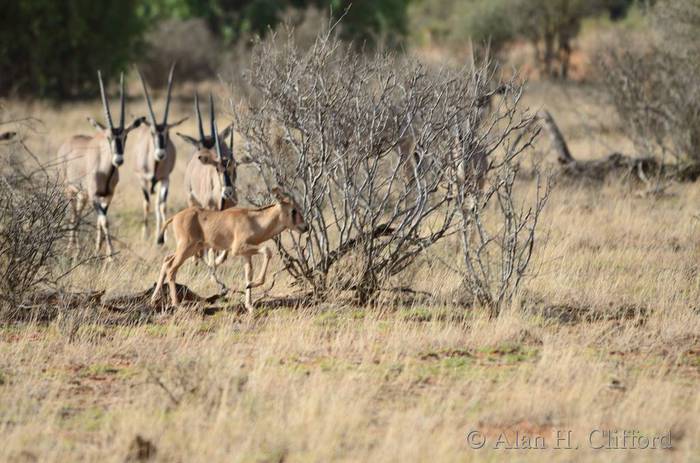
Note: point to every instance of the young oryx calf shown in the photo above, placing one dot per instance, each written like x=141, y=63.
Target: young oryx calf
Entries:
x=90, y=167
x=154, y=155
x=238, y=230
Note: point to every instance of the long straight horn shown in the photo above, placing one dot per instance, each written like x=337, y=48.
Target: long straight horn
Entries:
x=230, y=139
x=199, y=117
x=216, y=140
x=122, y=97
x=212, y=115
x=167, y=99
x=151, y=114
x=105, y=102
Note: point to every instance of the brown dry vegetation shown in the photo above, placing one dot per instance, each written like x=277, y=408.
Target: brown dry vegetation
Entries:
x=606, y=336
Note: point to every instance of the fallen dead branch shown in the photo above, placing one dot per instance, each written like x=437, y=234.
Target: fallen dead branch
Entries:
x=615, y=165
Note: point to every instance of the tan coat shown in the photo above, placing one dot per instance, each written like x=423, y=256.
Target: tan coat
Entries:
x=205, y=182
x=240, y=231
x=142, y=150
x=89, y=167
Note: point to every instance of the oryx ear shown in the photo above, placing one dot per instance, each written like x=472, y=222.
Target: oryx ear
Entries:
x=95, y=124
x=7, y=136
x=223, y=135
x=245, y=159
x=137, y=122
x=190, y=140
x=175, y=124
x=280, y=195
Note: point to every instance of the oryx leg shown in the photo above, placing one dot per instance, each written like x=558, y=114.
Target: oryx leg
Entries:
x=267, y=255
x=184, y=252
x=221, y=258
x=248, y=251
x=80, y=200
x=211, y=258
x=161, y=278
x=212, y=262
x=248, y=270
x=146, y=209
x=77, y=203
x=212, y=273
x=161, y=206
x=73, y=200
x=101, y=207
x=192, y=202
x=101, y=216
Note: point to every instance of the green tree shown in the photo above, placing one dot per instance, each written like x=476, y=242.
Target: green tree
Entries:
x=551, y=25
x=53, y=49
x=366, y=21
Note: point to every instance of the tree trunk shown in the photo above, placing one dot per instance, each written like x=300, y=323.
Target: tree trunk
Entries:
x=548, y=53
x=564, y=57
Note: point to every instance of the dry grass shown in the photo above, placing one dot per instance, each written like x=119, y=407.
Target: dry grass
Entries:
x=607, y=337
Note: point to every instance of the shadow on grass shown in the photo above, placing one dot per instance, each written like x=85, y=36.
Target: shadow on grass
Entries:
x=134, y=308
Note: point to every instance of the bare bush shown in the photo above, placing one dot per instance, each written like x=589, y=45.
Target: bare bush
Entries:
x=188, y=43
x=368, y=142
x=32, y=228
x=656, y=88
x=498, y=244
x=303, y=23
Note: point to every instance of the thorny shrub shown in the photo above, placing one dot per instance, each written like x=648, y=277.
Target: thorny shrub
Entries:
x=376, y=147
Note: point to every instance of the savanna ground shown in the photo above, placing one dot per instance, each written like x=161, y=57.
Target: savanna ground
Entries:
x=606, y=336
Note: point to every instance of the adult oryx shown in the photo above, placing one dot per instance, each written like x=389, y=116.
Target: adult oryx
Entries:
x=154, y=155
x=90, y=166
x=210, y=179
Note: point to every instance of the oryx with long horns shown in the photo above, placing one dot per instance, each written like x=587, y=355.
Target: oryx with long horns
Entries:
x=154, y=154
x=90, y=166
x=210, y=179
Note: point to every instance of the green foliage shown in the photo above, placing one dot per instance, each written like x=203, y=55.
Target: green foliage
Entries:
x=372, y=21
x=491, y=22
x=53, y=48
x=551, y=24
x=365, y=21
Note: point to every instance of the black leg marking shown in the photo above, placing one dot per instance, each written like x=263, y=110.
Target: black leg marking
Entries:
x=146, y=197
x=101, y=210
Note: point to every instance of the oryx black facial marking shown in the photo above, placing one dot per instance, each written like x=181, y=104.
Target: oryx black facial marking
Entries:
x=118, y=142
x=216, y=183
x=90, y=166
x=155, y=153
